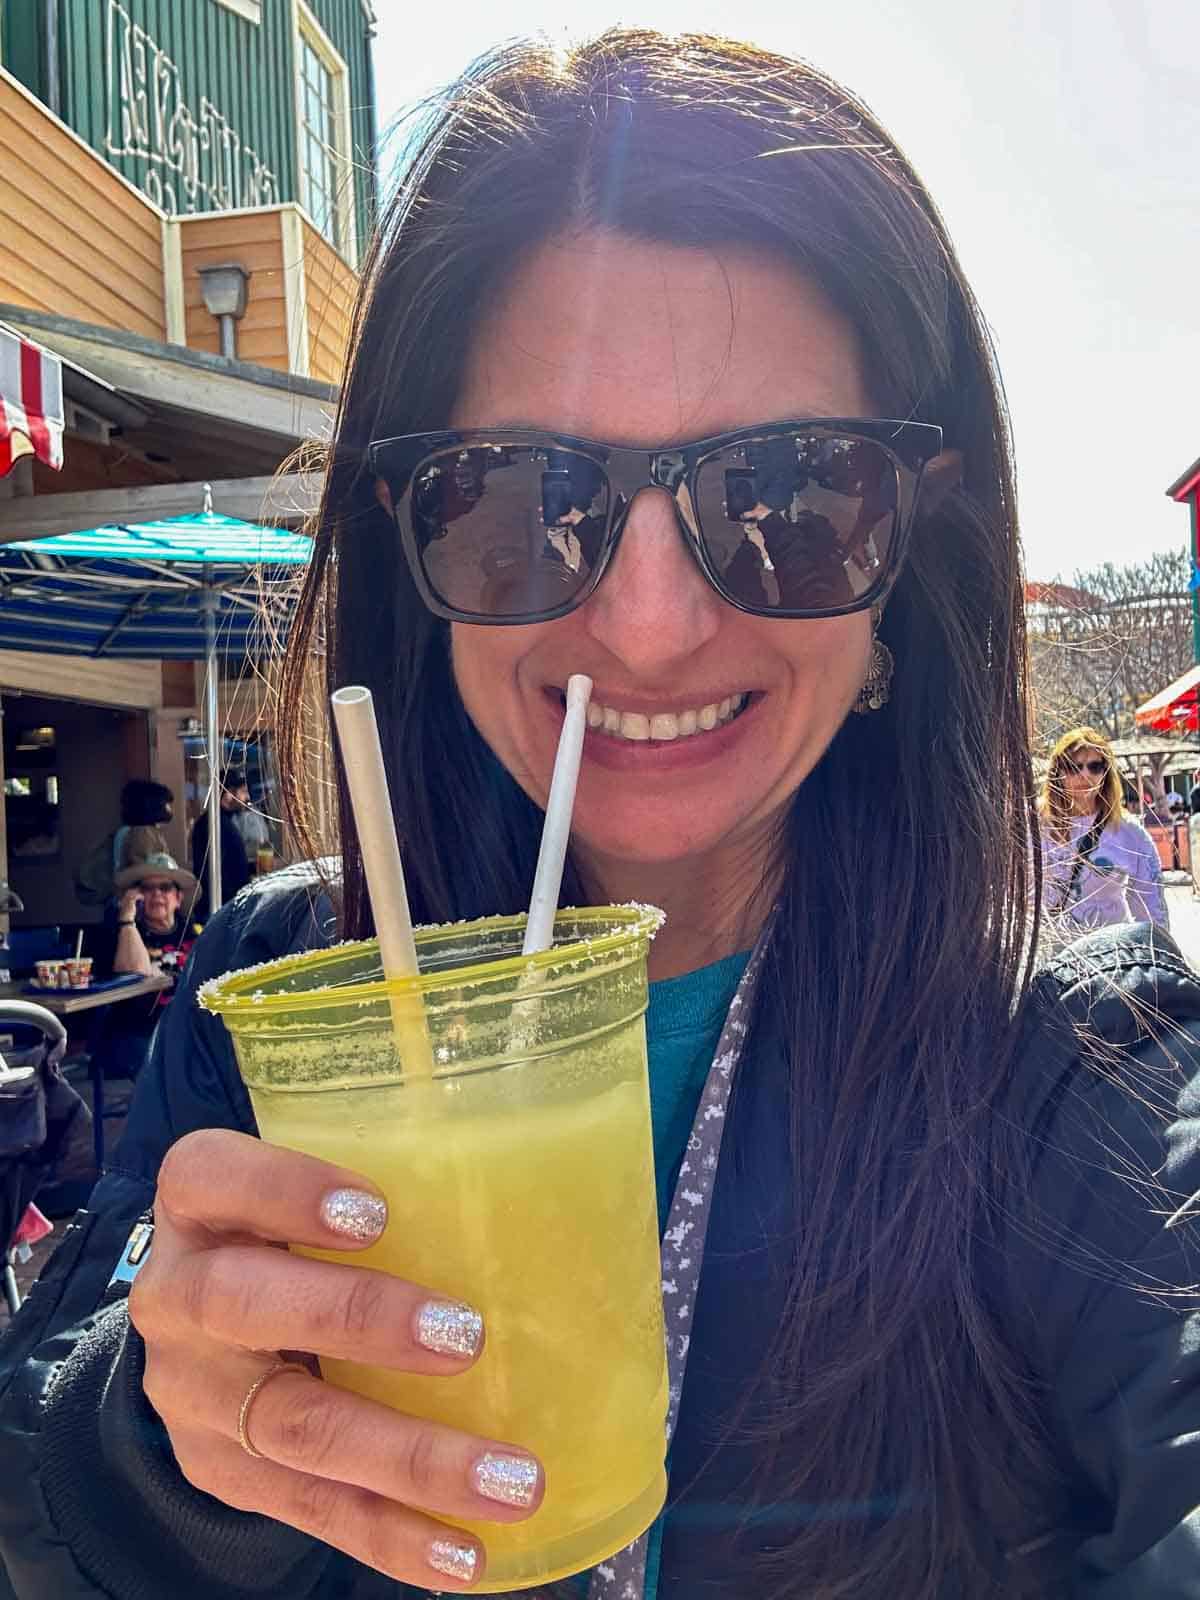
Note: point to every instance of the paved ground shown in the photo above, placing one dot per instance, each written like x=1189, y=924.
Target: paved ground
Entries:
x=1184, y=911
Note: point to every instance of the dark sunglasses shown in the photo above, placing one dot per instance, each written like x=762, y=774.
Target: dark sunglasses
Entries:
x=1094, y=769
x=788, y=519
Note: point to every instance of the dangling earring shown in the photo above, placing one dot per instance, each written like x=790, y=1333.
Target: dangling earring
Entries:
x=876, y=691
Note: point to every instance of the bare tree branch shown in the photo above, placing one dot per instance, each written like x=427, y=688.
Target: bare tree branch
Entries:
x=1107, y=641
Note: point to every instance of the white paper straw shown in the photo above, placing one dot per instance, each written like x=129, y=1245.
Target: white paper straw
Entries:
x=556, y=830
x=79, y=944
x=362, y=755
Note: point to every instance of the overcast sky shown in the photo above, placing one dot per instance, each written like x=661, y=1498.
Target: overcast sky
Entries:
x=1061, y=140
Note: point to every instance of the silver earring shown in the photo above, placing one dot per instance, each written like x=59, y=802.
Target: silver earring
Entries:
x=877, y=690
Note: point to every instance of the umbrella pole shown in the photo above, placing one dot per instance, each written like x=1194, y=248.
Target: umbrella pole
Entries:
x=209, y=603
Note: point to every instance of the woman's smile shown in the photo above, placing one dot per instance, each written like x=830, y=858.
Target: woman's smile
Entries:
x=658, y=736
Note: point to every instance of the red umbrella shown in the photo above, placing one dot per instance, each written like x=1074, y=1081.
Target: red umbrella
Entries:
x=1174, y=709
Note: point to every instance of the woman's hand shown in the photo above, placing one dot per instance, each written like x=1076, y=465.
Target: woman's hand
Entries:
x=218, y=1300
x=129, y=904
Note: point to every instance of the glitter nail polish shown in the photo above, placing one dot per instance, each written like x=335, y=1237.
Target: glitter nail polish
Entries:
x=354, y=1214
x=449, y=1328
x=512, y=1480
x=453, y=1559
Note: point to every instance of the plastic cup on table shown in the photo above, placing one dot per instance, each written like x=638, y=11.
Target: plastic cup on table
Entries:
x=519, y=1177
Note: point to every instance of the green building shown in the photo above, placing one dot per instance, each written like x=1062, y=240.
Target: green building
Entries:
x=213, y=105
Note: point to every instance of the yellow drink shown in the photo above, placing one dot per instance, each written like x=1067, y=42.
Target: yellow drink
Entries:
x=521, y=1182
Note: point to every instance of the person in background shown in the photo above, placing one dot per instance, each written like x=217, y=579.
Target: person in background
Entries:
x=255, y=831
x=1099, y=865
x=145, y=806
x=235, y=866
x=154, y=932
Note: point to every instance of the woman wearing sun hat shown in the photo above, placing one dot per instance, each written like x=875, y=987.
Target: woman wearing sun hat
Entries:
x=154, y=933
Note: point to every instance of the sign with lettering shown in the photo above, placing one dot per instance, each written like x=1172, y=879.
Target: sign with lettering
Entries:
x=187, y=160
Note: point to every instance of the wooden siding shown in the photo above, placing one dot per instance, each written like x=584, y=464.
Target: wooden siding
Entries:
x=77, y=241
x=253, y=239
x=135, y=684
x=225, y=136
x=330, y=287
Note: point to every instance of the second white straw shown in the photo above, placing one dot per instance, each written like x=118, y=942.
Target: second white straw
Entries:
x=556, y=830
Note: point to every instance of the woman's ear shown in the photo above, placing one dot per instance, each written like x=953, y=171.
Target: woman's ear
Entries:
x=942, y=475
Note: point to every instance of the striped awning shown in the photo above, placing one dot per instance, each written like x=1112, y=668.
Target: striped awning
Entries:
x=31, y=402
x=142, y=590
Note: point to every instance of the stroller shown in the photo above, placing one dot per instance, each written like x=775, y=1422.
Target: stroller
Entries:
x=44, y=1124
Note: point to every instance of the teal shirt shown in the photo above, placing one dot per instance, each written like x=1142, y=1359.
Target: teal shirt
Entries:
x=683, y=1025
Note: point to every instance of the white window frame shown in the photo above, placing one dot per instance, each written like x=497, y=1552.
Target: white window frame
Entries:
x=251, y=10
x=307, y=30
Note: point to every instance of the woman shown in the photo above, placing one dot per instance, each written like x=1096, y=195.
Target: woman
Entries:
x=1099, y=865
x=145, y=806
x=922, y=1362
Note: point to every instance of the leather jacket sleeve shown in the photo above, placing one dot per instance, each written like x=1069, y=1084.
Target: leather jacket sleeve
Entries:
x=1108, y=1282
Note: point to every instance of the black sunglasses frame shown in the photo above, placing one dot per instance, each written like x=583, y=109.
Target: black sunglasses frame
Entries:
x=910, y=446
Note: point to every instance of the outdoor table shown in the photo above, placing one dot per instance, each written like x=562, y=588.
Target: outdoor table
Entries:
x=66, y=1003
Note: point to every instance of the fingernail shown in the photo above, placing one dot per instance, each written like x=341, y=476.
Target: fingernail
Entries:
x=453, y=1559
x=512, y=1480
x=354, y=1214
x=449, y=1328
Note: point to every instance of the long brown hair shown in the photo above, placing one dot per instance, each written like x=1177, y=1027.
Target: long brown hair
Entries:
x=1055, y=804
x=901, y=952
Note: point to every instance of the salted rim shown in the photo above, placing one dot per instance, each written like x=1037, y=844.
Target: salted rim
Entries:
x=229, y=992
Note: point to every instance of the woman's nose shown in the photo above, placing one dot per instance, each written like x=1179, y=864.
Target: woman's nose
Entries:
x=653, y=606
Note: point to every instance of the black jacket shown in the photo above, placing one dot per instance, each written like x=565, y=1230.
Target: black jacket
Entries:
x=92, y=1505
x=235, y=864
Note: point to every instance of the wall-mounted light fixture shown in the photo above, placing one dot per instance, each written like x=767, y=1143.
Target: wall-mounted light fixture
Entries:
x=224, y=290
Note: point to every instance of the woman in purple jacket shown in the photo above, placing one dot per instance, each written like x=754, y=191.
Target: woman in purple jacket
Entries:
x=941, y=1343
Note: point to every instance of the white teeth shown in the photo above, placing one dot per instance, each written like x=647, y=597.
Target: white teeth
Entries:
x=664, y=726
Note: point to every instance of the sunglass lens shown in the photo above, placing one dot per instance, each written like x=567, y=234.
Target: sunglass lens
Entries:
x=798, y=522
x=508, y=530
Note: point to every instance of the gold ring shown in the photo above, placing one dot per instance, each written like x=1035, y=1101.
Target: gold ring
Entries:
x=252, y=1393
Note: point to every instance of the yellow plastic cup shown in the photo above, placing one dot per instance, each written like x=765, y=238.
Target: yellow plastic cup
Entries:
x=519, y=1179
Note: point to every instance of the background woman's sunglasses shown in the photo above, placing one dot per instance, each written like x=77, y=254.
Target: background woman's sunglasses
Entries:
x=1094, y=769
x=789, y=519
